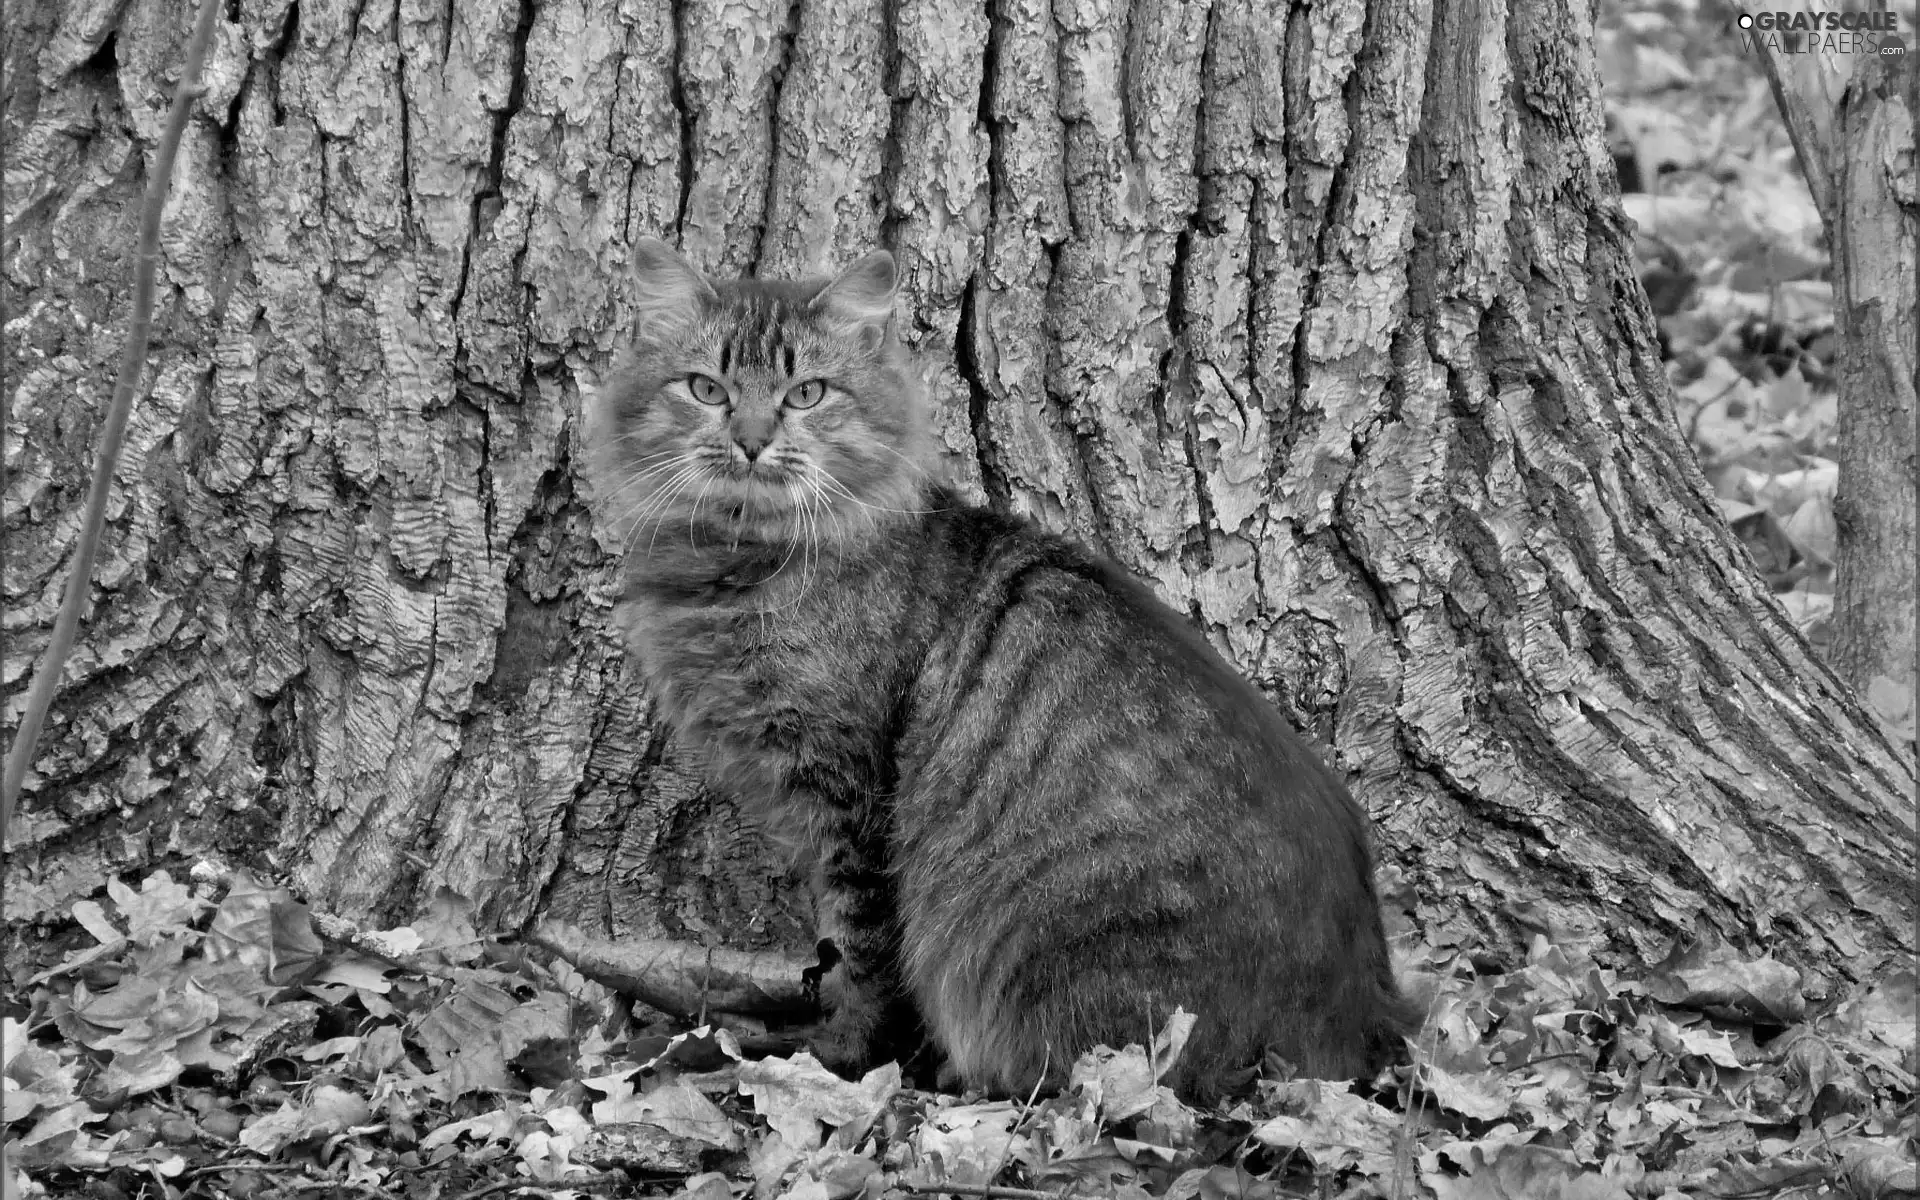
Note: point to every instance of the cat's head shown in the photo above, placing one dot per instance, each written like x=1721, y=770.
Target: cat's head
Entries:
x=761, y=410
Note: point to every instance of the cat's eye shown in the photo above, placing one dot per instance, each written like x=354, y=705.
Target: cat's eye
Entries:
x=807, y=394
x=706, y=389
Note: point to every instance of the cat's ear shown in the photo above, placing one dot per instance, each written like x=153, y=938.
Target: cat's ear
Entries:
x=861, y=295
x=667, y=292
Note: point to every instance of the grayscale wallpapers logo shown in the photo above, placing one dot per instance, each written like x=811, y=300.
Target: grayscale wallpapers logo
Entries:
x=1822, y=32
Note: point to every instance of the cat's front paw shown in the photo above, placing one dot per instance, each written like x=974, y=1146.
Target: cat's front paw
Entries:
x=842, y=1047
x=855, y=1007
x=848, y=1035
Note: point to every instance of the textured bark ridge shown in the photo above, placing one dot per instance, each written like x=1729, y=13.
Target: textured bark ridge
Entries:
x=1320, y=317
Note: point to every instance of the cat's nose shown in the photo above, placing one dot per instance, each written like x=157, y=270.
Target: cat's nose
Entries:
x=751, y=432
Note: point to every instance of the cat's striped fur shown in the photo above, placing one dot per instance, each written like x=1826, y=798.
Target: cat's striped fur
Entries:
x=1037, y=806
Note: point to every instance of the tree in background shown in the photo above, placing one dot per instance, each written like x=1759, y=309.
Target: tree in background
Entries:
x=1852, y=122
x=1324, y=319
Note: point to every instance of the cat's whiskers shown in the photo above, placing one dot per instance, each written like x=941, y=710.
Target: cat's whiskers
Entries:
x=807, y=506
x=790, y=526
x=637, y=515
x=658, y=513
x=651, y=468
x=642, y=477
x=846, y=493
x=650, y=518
x=680, y=467
x=809, y=545
x=812, y=548
x=818, y=475
x=831, y=512
x=779, y=571
x=693, y=512
x=814, y=477
x=653, y=509
x=840, y=532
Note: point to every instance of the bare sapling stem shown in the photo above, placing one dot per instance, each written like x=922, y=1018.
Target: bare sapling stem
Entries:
x=46, y=676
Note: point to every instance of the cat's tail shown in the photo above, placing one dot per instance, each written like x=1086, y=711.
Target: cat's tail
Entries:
x=1404, y=998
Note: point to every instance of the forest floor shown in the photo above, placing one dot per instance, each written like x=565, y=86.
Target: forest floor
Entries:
x=201, y=1039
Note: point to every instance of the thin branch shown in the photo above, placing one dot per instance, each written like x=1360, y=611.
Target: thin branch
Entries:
x=683, y=978
x=46, y=677
x=989, y=1192
x=603, y=1179
x=233, y=1168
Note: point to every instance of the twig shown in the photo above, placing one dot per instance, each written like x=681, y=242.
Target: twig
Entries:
x=46, y=676
x=1006, y=1152
x=338, y=931
x=231, y=1168
x=306, y=1182
x=572, y=1181
x=990, y=1192
x=333, y=1186
x=684, y=978
x=1153, y=1059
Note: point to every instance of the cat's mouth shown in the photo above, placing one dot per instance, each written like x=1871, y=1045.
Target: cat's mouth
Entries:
x=759, y=490
x=762, y=481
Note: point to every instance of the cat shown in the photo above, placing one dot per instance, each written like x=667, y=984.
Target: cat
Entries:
x=1040, y=811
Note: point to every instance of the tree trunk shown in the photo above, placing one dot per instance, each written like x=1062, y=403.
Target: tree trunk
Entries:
x=1323, y=318
x=1851, y=118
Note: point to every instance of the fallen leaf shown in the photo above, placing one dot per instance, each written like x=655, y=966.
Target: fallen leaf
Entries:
x=1337, y=1130
x=328, y=1110
x=966, y=1143
x=1126, y=1082
x=494, y=1126
x=1484, y=1096
x=710, y=1186
x=1523, y=1172
x=1884, y=1010
x=161, y=908
x=1709, y=976
x=798, y=1095
x=675, y=1107
x=242, y=927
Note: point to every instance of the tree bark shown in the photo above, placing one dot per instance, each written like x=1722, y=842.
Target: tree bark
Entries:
x=1852, y=118
x=1322, y=318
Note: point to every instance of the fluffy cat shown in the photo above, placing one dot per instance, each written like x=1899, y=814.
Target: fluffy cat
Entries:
x=1040, y=811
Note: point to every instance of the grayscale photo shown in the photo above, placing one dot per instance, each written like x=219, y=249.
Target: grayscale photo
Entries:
x=993, y=599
